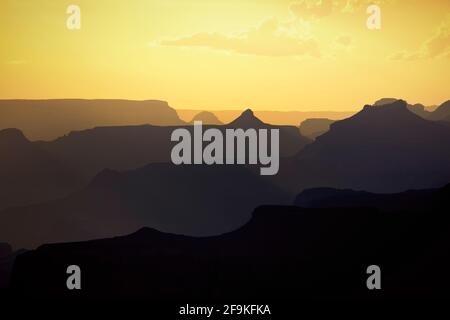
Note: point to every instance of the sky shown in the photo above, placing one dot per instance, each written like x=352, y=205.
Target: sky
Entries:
x=306, y=55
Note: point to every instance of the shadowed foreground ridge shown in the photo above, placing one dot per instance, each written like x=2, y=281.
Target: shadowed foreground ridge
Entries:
x=281, y=253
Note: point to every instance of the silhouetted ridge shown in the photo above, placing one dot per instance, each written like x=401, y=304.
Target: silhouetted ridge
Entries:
x=314, y=127
x=384, y=101
x=247, y=120
x=207, y=117
x=54, y=118
x=382, y=149
x=398, y=107
x=12, y=136
x=395, y=116
x=107, y=178
x=192, y=200
x=417, y=108
x=5, y=250
x=411, y=200
x=442, y=112
x=282, y=252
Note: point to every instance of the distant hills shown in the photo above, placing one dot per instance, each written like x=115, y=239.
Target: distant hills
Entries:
x=440, y=113
x=281, y=253
x=108, y=181
x=34, y=172
x=411, y=200
x=49, y=119
x=291, y=118
x=130, y=147
x=312, y=128
x=206, y=117
x=194, y=200
x=29, y=174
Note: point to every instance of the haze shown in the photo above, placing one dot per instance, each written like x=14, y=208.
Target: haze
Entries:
x=265, y=54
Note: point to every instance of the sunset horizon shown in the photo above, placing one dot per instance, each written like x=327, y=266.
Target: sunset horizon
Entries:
x=217, y=159
x=267, y=55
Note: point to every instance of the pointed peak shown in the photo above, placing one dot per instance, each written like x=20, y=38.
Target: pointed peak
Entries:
x=247, y=119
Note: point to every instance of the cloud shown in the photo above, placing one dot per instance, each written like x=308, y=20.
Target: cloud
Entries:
x=314, y=9
x=344, y=40
x=16, y=62
x=270, y=38
x=438, y=45
x=352, y=5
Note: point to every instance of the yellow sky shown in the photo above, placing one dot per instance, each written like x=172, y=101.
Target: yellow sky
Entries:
x=264, y=54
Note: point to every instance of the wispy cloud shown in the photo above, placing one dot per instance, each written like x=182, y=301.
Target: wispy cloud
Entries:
x=271, y=38
x=438, y=45
x=315, y=9
x=16, y=62
x=344, y=40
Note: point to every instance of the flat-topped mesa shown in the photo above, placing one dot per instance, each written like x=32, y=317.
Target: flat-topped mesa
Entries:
x=385, y=113
x=396, y=104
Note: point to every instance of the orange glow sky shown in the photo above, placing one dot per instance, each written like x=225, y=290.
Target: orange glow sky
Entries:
x=264, y=54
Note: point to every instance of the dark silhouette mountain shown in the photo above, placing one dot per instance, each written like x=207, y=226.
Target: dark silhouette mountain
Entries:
x=7, y=257
x=442, y=113
x=380, y=149
x=281, y=253
x=117, y=148
x=384, y=101
x=287, y=118
x=417, y=108
x=291, y=140
x=194, y=200
x=247, y=120
x=206, y=117
x=49, y=119
x=312, y=128
x=130, y=147
x=5, y=250
x=29, y=174
x=412, y=200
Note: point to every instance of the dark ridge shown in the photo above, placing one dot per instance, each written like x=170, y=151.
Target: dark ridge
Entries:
x=247, y=120
x=206, y=117
x=12, y=135
x=107, y=178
